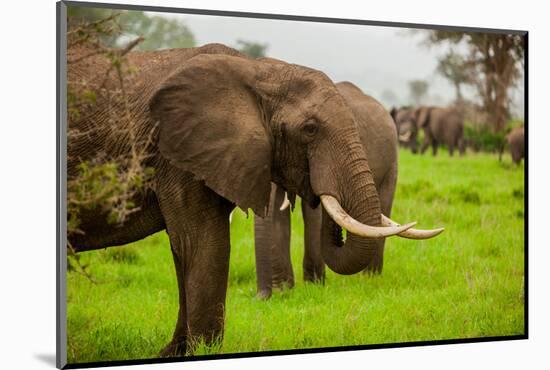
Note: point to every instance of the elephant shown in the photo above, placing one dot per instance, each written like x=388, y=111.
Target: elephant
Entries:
x=516, y=141
x=219, y=128
x=407, y=129
x=441, y=125
x=272, y=234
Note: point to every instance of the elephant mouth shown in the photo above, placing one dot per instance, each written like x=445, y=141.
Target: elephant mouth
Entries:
x=309, y=195
x=314, y=201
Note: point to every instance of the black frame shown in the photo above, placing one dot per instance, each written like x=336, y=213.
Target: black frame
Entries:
x=61, y=156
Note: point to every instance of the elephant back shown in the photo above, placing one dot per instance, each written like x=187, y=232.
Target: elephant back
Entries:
x=376, y=129
x=114, y=108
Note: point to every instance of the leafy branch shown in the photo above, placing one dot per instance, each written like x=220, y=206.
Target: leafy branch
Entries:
x=105, y=184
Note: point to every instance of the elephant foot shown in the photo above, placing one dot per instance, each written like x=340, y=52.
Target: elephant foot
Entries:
x=281, y=284
x=315, y=278
x=174, y=349
x=284, y=285
x=263, y=294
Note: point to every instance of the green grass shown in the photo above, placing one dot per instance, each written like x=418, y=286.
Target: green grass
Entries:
x=468, y=282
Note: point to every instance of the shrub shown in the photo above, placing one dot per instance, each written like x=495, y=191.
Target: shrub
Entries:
x=481, y=138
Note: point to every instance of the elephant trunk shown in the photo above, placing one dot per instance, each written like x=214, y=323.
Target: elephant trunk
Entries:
x=357, y=252
x=346, y=177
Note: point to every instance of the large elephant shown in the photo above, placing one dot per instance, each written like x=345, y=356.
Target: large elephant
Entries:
x=223, y=128
x=441, y=125
x=516, y=142
x=272, y=234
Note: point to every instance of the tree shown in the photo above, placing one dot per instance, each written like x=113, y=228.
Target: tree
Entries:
x=157, y=32
x=418, y=90
x=495, y=64
x=252, y=49
x=453, y=66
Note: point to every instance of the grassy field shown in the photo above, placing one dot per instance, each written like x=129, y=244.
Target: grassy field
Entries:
x=468, y=282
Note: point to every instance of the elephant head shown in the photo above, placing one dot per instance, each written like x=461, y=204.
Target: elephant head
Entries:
x=237, y=124
x=406, y=119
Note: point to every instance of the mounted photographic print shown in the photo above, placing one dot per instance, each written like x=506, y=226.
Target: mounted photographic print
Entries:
x=235, y=184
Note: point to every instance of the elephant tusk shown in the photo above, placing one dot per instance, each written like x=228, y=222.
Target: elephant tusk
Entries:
x=337, y=213
x=405, y=136
x=412, y=233
x=285, y=203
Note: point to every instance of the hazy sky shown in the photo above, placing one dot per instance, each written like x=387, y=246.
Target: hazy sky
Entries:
x=374, y=58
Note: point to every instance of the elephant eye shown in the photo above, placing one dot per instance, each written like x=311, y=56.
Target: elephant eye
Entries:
x=310, y=128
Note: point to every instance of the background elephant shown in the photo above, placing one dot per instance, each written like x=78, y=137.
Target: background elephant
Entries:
x=272, y=246
x=440, y=125
x=219, y=128
x=272, y=234
x=407, y=129
x=516, y=141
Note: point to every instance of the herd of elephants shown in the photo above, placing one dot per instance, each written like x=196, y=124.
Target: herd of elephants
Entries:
x=232, y=131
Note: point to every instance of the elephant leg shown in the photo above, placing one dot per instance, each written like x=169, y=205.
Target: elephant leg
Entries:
x=414, y=143
x=425, y=143
x=178, y=344
x=313, y=264
x=461, y=146
x=197, y=222
x=262, y=248
x=435, y=144
x=283, y=276
x=451, y=149
x=205, y=292
x=386, y=192
x=272, y=247
x=516, y=156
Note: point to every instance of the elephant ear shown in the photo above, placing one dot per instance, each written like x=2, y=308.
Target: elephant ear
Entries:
x=423, y=116
x=211, y=123
x=393, y=113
